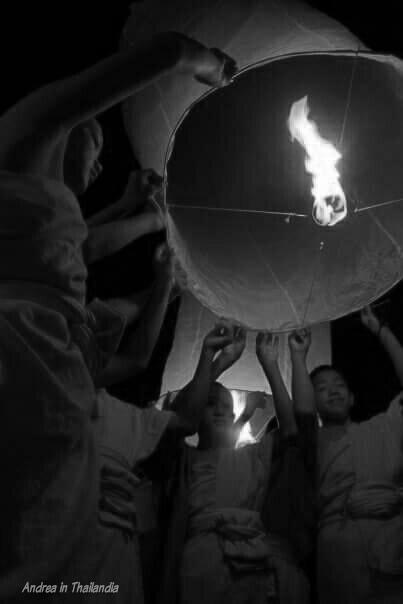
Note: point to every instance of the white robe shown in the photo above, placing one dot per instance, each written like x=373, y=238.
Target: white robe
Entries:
x=228, y=556
x=127, y=435
x=360, y=542
x=49, y=461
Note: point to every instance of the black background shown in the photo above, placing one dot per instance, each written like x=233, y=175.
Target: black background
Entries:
x=40, y=42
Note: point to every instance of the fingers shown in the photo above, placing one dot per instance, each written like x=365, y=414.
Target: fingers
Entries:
x=180, y=275
x=267, y=338
x=219, y=341
x=300, y=335
x=239, y=334
x=228, y=67
x=146, y=183
x=224, y=327
x=162, y=254
x=158, y=215
x=215, y=68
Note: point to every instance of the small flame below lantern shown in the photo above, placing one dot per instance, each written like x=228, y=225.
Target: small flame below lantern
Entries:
x=330, y=204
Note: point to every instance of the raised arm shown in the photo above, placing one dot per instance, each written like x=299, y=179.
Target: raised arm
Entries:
x=267, y=348
x=190, y=403
x=231, y=353
x=302, y=389
x=142, y=186
x=135, y=355
x=387, y=338
x=107, y=239
x=32, y=127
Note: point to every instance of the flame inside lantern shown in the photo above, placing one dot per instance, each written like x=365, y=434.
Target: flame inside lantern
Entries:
x=330, y=205
x=245, y=436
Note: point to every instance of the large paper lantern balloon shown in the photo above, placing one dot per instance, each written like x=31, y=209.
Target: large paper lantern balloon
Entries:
x=283, y=189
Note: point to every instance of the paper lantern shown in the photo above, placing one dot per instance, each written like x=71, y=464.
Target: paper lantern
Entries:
x=237, y=189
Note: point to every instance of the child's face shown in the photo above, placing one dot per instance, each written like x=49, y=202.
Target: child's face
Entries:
x=218, y=416
x=82, y=166
x=333, y=397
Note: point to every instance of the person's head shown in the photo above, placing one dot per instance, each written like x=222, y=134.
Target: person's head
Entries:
x=216, y=426
x=334, y=398
x=81, y=163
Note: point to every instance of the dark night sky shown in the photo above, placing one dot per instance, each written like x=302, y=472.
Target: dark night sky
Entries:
x=40, y=43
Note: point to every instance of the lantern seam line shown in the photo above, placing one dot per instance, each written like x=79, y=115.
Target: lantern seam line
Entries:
x=349, y=94
x=276, y=279
x=385, y=231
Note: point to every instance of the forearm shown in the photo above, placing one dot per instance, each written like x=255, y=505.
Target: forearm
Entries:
x=135, y=355
x=119, y=368
x=111, y=81
x=110, y=213
x=42, y=119
x=107, y=239
x=192, y=400
x=220, y=365
x=394, y=350
x=282, y=402
x=130, y=307
x=142, y=340
x=301, y=385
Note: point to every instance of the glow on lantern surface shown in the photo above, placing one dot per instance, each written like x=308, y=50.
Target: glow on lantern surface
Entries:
x=330, y=205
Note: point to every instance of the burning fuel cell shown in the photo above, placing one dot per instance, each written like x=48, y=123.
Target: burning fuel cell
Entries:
x=330, y=205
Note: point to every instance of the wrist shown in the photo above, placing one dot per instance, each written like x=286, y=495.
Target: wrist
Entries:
x=269, y=364
x=382, y=331
x=298, y=356
x=207, y=356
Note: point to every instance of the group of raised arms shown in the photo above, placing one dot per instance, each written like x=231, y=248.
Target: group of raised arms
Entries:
x=310, y=512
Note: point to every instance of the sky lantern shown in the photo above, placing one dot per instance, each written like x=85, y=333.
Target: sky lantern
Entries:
x=284, y=190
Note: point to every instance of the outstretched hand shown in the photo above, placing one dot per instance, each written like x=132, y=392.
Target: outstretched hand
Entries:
x=299, y=341
x=215, y=68
x=209, y=66
x=267, y=347
x=232, y=352
x=163, y=262
x=370, y=320
x=140, y=194
x=218, y=338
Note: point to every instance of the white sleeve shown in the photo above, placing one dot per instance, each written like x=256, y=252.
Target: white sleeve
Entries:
x=148, y=426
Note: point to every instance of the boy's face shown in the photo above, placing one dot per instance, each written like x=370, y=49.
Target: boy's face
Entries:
x=333, y=397
x=82, y=166
x=218, y=416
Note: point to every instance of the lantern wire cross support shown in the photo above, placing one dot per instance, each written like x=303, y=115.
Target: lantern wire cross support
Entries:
x=236, y=210
x=378, y=205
